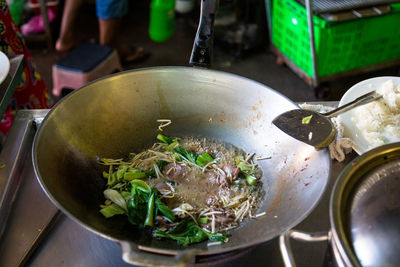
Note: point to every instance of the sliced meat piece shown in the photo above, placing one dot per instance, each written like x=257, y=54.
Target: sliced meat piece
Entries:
x=231, y=171
x=212, y=177
x=174, y=172
x=218, y=179
x=160, y=221
x=224, y=218
x=162, y=187
x=221, y=220
x=199, y=149
x=203, y=150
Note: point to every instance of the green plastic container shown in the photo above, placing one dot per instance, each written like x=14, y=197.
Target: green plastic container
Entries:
x=162, y=20
x=340, y=46
x=16, y=9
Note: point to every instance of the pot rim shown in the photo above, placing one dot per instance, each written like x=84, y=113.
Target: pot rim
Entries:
x=341, y=193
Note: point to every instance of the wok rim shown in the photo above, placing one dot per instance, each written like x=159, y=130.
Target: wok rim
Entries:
x=149, y=249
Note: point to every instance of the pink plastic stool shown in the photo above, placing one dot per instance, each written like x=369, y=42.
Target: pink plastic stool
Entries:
x=84, y=64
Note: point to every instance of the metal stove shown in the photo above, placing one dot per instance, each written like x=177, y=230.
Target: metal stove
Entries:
x=36, y=233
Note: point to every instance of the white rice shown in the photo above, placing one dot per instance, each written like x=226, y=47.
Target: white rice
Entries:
x=379, y=121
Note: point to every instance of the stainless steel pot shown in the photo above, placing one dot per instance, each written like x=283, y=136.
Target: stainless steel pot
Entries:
x=117, y=115
x=364, y=213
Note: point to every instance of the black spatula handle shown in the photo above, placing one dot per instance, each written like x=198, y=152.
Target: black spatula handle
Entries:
x=203, y=43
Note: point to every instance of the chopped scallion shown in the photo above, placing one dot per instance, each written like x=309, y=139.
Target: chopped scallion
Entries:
x=204, y=159
x=306, y=120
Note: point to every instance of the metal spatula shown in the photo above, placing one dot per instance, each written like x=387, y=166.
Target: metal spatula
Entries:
x=316, y=128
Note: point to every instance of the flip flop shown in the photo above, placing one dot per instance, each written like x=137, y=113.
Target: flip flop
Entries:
x=136, y=54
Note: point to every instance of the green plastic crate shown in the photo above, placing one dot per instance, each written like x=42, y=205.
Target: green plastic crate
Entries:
x=340, y=46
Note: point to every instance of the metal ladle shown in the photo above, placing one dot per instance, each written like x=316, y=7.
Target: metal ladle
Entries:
x=316, y=128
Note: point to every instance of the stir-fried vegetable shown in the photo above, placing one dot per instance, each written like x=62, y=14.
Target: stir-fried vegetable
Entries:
x=144, y=205
x=174, y=145
x=188, y=232
x=128, y=173
x=189, y=155
x=115, y=197
x=247, y=170
x=141, y=204
x=204, y=159
x=166, y=140
x=111, y=210
x=142, y=189
x=250, y=179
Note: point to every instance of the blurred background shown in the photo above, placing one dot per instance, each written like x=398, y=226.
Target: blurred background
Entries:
x=267, y=41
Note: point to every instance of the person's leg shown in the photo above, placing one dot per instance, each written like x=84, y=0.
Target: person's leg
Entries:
x=108, y=30
x=110, y=13
x=66, y=39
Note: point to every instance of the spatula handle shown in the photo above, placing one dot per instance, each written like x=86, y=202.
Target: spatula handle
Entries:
x=203, y=43
x=362, y=100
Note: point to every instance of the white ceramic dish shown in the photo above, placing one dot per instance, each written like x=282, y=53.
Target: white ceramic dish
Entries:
x=360, y=145
x=4, y=66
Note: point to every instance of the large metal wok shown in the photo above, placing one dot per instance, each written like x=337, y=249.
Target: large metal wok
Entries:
x=117, y=115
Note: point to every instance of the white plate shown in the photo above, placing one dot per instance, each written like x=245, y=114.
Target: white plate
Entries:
x=360, y=145
x=4, y=66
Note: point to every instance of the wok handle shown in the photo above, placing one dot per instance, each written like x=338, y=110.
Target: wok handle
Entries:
x=286, y=249
x=203, y=42
x=131, y=253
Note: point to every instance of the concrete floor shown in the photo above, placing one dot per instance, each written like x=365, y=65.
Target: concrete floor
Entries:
x=259, y=65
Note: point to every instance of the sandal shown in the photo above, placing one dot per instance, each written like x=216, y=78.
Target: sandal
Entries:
x=35, y=24
x=130, y=54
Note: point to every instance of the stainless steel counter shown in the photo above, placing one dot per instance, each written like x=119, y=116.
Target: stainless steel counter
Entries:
x=37, y=234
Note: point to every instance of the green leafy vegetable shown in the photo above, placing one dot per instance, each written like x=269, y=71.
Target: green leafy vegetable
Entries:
x=111, y=210
x=111, y=178
x=129, y=194
x=121, y=171
x=161, y=164
x=115, y=197
x=202, y=220
x=243, y=165
x=188, y=232
x=144, y=205
x=189, y=155
x=165, y=139
x=131, y=175
x=150, y=211
x=137, y=206
x=161, y=207
x=250, y=178
x=177, y=157
x=306, y=120
x=152, y=173
x=139, y=184
x=172, y=146
x=204, y=159
x=180, y=151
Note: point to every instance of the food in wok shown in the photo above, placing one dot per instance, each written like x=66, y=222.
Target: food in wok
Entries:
x=188, y=189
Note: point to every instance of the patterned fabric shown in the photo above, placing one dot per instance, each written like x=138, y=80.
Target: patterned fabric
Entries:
x=32, y=92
